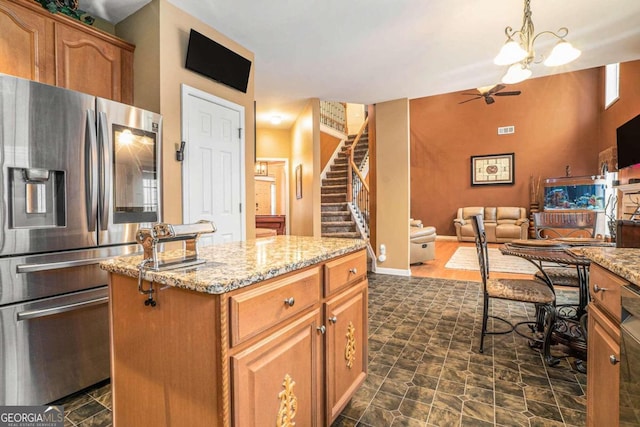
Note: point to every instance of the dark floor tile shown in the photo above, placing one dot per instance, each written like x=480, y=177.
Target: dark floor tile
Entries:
x=403, y=421
x=574, y=417
x=447, y=401
x=420, y=394
x=473, y=422
x=478, y=410
x=440, y=417
x=85, y=411
x=414, y=409
x=507, y=418
x=396, y=387
x=544, y=410
x=479, y=394
x=387, y=401
x=451, y=387
x=375, y=417
x=509, y=401
x=566, y=387
x=343, y=421
x=101, y=419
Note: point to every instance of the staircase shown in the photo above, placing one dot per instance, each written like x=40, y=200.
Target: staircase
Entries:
x=337, y=220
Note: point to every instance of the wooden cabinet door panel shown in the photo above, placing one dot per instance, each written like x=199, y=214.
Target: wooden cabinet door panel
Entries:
x=23, y=45
x=603, y=379
x=87, y=64
x=346, y=347
x=279, y=377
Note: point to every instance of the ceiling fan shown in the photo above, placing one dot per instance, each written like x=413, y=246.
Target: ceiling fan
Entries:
x=488, y=92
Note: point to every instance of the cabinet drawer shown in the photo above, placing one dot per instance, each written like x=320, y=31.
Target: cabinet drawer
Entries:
x=340, y=272
x=256, y=310
x=604, y=288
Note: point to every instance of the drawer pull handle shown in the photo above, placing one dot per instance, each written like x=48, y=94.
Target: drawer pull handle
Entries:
x=597, y=289
x=353, y=270
x=333, y=319
x=613, y=360
x=290, y=301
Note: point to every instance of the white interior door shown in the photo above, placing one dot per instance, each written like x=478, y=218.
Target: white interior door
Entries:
x=213, y=166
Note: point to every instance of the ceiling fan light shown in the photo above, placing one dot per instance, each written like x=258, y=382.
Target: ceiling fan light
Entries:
x=510, y=53
x=563, y=53
x=516, y=73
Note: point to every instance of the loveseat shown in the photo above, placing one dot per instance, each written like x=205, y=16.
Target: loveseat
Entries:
x=502, y=224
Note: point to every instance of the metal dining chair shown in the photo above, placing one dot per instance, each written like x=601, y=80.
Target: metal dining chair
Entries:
x=521, y=290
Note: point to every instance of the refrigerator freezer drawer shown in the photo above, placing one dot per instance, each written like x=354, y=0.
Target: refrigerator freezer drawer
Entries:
x=53, y=347
x=27, y=278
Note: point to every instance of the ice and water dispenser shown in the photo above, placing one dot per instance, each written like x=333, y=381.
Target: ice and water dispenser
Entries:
x=37, y=198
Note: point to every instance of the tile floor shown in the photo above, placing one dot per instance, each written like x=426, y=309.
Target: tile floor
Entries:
x=425, y=370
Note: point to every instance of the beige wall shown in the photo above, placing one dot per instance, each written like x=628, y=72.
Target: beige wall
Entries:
x=305, y=151
x=273, y=143
x=392, y=182
x=170, y=26
x=355, y=118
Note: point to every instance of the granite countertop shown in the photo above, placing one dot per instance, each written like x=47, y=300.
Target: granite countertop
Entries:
x=235, y=265
x=625, y=262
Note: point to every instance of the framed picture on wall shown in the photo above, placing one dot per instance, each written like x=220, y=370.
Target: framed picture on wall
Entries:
x=493, y=169
x=299, y=181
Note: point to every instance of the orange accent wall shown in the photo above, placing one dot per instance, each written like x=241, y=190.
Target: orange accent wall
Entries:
x=556, y=121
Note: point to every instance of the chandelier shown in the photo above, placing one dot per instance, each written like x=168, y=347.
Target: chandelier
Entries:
x=520, y=54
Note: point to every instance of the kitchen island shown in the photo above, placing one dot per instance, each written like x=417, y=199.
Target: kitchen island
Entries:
x=611, y=270
x=267, y=332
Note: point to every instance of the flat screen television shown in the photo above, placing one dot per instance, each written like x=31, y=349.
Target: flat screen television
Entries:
x=628, y=142
x=211, y=59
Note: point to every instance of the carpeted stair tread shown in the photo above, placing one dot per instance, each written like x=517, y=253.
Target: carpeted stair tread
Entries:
x=349, y=235
x=333, y=189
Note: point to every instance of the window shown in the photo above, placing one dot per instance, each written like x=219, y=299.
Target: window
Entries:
x=611, y=84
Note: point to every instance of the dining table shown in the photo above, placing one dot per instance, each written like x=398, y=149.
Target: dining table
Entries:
x=569, y=328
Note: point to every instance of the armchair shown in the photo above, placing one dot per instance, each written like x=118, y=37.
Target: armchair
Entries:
x=422, y=242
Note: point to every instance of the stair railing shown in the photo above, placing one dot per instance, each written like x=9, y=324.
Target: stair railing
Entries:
x=357, y=187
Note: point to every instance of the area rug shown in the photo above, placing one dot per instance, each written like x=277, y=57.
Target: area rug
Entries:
x=466, y=258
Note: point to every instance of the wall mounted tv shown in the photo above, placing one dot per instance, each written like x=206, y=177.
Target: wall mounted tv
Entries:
x=628, y=142
x=211, y=59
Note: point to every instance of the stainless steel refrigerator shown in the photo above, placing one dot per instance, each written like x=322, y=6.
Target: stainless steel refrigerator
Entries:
x=79, y=175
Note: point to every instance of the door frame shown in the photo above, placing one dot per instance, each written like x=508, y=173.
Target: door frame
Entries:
x=187, y=91
x=286, y=183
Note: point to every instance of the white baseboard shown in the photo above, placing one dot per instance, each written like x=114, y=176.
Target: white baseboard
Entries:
x=392, y=271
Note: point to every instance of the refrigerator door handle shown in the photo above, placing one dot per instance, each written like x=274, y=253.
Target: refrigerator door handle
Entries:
x=91, y=161
x=34, y=314
x=35, y=268
x=105, y=171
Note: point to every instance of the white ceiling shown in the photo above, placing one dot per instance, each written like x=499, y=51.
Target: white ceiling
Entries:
x=379, y=50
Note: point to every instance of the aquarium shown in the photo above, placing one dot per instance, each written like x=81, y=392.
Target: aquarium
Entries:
x=584, y=192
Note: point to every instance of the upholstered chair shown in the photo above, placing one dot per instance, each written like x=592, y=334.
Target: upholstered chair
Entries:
x=531, y=291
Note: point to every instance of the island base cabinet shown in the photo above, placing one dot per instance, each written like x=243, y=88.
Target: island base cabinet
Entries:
x=163, y=373
x=276, y=382
x=346, y=347
x=603, y=372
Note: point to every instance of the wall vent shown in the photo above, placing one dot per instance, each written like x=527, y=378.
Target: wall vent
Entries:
x=505, y=130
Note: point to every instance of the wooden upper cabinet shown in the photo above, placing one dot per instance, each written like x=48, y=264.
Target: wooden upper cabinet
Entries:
x=55, y=49
x=23, y=44
x=87, y=64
